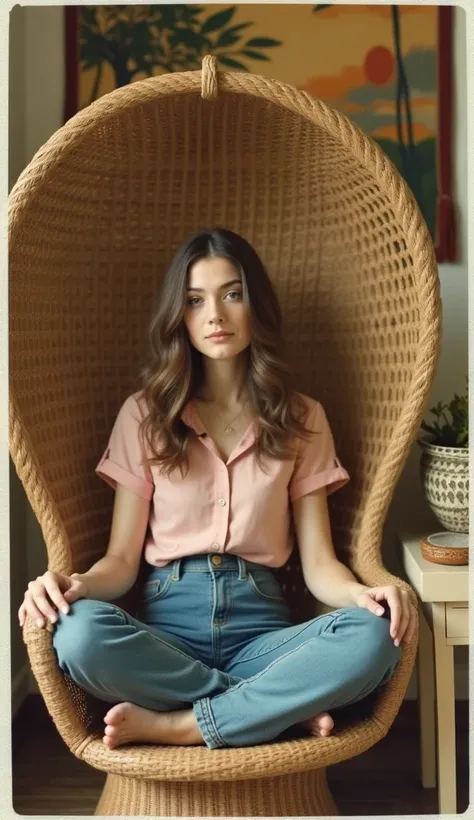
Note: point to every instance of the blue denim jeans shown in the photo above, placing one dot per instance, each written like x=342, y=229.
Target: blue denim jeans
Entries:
x=219, y=637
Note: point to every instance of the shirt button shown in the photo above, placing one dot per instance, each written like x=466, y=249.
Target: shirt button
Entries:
x=222, y=502
x=216, y=559
x=215, y=545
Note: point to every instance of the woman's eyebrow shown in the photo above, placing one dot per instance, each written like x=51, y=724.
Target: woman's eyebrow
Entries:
x=225, y=285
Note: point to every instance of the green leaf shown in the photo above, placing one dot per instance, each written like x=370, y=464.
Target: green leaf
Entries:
x=188, y=37
x=218, y=20
x=89, y=36
x=92, y=48
x=321, y=7
x=428, y=428
x=255, y=55
x=189, y=13
x=92, y=63
x=239, y=27
x=454, y=431
x=462, y=439
x=230, y=62
x=263, y=42
x=167, y=16
x=227, y=38
x=115, y=30
x=140, y=41
x=88, y=16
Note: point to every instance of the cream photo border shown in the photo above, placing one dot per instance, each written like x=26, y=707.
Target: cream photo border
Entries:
x=6, y=808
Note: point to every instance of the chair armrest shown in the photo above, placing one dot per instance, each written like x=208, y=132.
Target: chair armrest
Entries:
x=52, y=685
x=375, y=575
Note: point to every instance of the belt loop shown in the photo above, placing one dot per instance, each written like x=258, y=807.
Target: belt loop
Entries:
x=242, y=568
x=176, y=571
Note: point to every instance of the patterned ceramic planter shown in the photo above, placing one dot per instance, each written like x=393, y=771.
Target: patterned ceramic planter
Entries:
x=445, y=475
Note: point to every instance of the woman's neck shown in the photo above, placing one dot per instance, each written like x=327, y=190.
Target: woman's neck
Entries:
x=224, y=400
x=224, y=387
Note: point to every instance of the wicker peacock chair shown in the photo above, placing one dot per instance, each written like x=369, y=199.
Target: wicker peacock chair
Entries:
x=93, y=223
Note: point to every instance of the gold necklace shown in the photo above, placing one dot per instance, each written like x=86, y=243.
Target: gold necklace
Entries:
x=228, y=427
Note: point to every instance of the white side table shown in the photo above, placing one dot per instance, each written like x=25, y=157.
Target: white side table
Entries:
x=443, y=593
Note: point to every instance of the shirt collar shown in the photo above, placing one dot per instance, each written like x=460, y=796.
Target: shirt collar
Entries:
x=191, y=418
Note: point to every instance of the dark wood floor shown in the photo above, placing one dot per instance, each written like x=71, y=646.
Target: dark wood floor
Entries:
x=385, y=780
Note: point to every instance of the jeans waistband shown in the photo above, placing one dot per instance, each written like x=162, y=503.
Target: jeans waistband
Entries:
x=204, y=563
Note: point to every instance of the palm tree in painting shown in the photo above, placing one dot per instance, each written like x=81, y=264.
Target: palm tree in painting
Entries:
x=408, y=155
x=410, y=166
x=138, y=39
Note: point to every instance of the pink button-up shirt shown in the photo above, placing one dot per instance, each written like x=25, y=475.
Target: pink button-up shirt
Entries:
x=221, y=506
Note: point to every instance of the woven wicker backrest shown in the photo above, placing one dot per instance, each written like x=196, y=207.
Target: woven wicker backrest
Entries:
x=94, y=222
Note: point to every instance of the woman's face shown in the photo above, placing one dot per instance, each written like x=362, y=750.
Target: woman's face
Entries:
x=214, y=302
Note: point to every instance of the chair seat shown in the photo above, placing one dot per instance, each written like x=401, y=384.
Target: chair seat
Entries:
x=280, y=757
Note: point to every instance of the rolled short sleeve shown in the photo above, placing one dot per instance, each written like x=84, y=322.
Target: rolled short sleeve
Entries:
x=316, y=464
x=122, y=460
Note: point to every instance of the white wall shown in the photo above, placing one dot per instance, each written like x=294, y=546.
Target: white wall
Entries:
x=36, y=94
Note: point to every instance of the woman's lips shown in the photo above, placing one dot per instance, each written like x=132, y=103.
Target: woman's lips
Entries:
x=222, y=338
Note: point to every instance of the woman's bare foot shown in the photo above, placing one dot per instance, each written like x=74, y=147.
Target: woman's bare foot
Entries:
x=320, y=726
x=128, y=723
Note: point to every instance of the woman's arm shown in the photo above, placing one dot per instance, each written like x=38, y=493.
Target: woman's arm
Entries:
x=330, y=581
x=114, y=574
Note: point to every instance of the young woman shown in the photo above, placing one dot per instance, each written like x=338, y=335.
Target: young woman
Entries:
x=210, y=460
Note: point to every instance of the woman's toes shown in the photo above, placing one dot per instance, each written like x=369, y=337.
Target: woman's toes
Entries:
x=116, y=725
x=325, y=721
x=320, y=725
x=324, y=724
x=116, y=714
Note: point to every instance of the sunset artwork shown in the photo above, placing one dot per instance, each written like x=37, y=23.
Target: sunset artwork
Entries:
x=384, y=79
x=386, y=67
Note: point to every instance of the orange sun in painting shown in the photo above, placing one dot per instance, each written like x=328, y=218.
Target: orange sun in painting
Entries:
x=379, y=65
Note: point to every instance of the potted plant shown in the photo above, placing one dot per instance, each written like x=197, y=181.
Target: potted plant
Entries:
x=445, y=463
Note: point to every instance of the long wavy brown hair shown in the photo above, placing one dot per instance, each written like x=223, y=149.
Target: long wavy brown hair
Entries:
x=173, y=374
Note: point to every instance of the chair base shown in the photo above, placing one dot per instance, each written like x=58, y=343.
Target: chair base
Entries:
x=293, y=795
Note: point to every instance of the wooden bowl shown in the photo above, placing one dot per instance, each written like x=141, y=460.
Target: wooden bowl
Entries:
x=446, y=548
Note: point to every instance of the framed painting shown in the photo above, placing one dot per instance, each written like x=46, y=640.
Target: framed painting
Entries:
x=387, y=67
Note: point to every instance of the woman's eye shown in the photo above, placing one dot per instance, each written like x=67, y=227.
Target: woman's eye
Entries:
x=194, y=300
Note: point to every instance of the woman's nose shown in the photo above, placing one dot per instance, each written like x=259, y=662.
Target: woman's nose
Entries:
x=216, y=313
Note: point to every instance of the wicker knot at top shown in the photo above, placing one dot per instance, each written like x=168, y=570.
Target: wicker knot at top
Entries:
x=209, y=78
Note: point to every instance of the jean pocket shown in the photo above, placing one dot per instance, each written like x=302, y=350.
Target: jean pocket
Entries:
x=155, y=589
x=265, y=585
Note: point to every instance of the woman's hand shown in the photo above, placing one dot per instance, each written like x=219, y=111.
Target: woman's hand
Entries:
x=402, y=612
x=49, y=593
